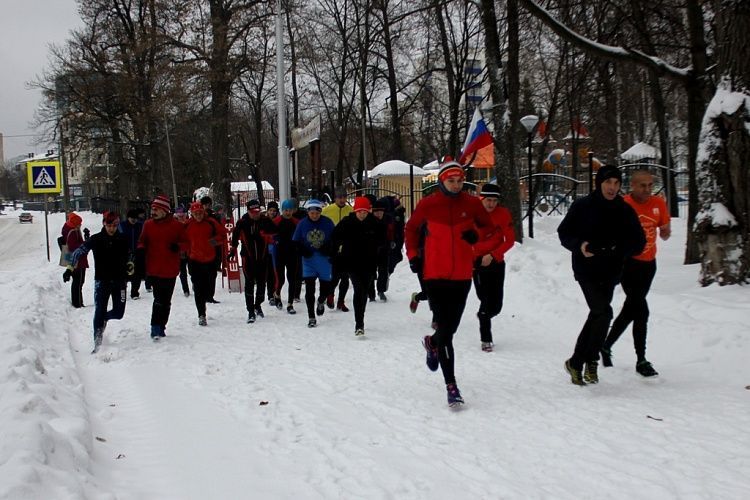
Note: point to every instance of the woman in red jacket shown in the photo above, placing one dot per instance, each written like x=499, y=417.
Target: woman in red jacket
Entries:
x=449, y=218
x=203, y=235
x=161, y=238
x=489, y=263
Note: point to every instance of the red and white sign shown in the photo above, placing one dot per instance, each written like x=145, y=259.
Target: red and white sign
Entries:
x=234, y=276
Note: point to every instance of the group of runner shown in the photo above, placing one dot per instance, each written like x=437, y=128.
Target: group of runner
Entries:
x=452, y=238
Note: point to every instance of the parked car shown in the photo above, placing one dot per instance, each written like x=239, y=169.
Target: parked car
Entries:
x=26, y=217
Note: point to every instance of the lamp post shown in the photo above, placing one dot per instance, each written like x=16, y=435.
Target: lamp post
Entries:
x=171, y=166
x=529, y=122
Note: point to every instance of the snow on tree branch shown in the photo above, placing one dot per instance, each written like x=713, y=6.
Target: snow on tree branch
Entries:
x=606, y=51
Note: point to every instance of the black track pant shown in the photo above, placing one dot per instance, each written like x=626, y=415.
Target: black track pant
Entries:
x=184, y=275
x=488, y=283
x=637, y=277
x=361, y=282
x=163, y=288
x=340, y=278
x=201, y=274
x=255, y=280
x=286, y=264
x=325, y=286
x=598, y=296
x=448, y=300
x=76, y=287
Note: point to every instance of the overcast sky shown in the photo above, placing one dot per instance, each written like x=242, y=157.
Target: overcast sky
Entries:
x=27, y=28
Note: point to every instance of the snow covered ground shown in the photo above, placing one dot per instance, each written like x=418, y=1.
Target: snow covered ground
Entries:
x=277, y=410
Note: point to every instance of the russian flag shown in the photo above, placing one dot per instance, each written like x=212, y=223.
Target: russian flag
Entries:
x=477, y=137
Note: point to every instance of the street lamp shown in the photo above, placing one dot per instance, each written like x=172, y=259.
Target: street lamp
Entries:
x=529, y=123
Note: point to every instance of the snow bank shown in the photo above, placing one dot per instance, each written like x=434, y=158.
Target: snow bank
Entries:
x=44, y=452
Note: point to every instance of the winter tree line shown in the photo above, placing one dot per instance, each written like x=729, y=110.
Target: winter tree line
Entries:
x=388, y=79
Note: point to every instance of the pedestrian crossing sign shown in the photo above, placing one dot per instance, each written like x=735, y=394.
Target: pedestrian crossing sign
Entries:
x=43, y=176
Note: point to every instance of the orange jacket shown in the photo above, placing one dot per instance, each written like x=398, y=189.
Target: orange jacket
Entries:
x=439, y=220
x=498, y=239
x=652, y=215
x=203, y=237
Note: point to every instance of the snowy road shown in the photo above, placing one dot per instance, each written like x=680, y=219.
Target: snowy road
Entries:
x=277, y=410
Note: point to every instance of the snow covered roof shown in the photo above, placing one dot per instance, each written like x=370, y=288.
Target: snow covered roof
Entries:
x=394, y=167
x=433, y=165
x=640, y=151
x=238, y=187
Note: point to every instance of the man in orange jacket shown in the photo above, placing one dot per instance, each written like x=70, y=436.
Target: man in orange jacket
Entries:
x=449, y=218
x=639, y=271
x=489, y=264
x=203, y=235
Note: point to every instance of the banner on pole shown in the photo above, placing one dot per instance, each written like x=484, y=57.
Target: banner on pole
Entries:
x=301, y=137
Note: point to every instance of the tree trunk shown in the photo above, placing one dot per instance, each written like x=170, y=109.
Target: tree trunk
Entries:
x=698, y=94
x=506, y=170
x=397, y=146
x=723, y=222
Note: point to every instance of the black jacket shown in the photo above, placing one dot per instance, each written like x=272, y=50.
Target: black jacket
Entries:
x=612, y=230
x=255, y=236
x=110, y=255
x=356, y=243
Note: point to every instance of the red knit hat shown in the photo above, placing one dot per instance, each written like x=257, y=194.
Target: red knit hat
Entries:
x=450, y=168
x=74, y=219
x=162, y=202
x=197, y=206
x=110, y=217
x=362, y=203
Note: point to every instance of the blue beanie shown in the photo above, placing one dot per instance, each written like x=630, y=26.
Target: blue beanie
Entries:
x=287, y=205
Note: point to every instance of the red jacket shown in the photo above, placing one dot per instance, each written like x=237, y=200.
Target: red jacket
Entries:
x=500, y=238
x=162, y=239
x=199, y=236
x=440, y=219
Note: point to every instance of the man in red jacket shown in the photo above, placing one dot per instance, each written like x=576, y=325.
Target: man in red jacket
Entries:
x=489, y=264
x=203, y=235
x=161, y=238
x=449, y=218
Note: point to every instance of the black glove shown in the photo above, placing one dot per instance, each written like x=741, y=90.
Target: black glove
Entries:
x=174, y=247
x=86, y=233
x=602, y=249
x=470, y=236
x=415, y=264
x=232, y=253
x=66, y=275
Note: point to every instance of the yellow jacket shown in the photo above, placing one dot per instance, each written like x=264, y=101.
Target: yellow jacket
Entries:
x=335, y=213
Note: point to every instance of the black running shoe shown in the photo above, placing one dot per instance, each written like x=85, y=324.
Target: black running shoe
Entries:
x=646, y=369
x=259, y=312
x=251, y=318
x=454, y=396
x=606, y=354
x=312, y=322
x=320, y=309
x=433, y=362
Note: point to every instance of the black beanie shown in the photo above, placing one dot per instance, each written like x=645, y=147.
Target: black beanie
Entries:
x=272, y=204
x=490, y=191
x=607, y=172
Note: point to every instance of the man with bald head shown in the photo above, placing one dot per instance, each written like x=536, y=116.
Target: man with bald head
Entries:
x=639, y=271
